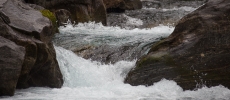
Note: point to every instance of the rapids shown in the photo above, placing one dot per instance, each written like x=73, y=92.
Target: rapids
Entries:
x=92, y=80
x=85, y=79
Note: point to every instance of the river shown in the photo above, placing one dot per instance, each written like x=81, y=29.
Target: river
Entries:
x=89, y=79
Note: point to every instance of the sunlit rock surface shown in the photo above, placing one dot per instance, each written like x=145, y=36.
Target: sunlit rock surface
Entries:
x=195, y=54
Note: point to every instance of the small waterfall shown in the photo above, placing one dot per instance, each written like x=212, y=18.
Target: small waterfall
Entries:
x=90, y=80
x=109, y=44
x=79, y=72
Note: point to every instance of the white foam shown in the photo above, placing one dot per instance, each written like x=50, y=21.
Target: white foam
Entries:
x=96, y=32
x=87, y=80
x=185, y=8
x=133, y=21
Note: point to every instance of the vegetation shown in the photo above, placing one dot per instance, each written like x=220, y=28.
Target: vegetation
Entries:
x=52, y=18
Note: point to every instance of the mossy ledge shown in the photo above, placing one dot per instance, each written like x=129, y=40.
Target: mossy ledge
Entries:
x=159, y=57
x=52, y=18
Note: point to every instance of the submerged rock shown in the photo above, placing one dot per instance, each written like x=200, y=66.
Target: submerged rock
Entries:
x=194, y=55
x=112, y=54
x=26, y=27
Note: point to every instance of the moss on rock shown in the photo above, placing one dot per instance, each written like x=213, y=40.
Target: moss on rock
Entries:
x=52, y=18
x=159, y=57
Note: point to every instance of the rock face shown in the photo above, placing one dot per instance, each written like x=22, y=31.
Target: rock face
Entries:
x=28, y=29
x=81, y=10
x=195, y=54
x=11, y=59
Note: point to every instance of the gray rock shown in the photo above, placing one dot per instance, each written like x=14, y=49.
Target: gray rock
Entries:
x=11, y=59
x=26, y=27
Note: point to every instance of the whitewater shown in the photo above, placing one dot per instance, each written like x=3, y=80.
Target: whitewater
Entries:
x=90, y=80
x=85, y=79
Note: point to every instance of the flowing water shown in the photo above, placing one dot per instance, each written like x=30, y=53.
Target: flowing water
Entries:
x=85, y=79
x=109, y=44
x=91, y=80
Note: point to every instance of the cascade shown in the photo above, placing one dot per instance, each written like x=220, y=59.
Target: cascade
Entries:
x=91, y=80
x=88, y=76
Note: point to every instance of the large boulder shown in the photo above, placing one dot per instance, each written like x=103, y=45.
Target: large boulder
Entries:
x=194, y=55
x=81, y=10
x=26, y=27
x=11, y=59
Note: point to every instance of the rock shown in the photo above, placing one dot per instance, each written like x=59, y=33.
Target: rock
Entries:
x=63, y=16
x=26, y=27
x=111, y=54
x=132, y=4
x=81, y=10
x=112, y=3
x=11, y=59
x=194, y=55
x=122, y=5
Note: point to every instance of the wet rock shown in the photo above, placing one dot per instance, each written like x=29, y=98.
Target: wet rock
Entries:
x=104, y=48
x=63, y=16
x=111, y=54
x=26, y=27
x=194, y=55
x=81, y=10
x=116, y=5
x=11, y=59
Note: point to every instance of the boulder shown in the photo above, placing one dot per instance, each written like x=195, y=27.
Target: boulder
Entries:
x=81, y=10
x=63, y=16
x=11, y=59
x=26, y=27
x=194, y=55
x=122, y=5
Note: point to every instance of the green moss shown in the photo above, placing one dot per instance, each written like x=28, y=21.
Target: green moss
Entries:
x=146, y=61
x=158, y=45
x=51, y=17
x=161, y=57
